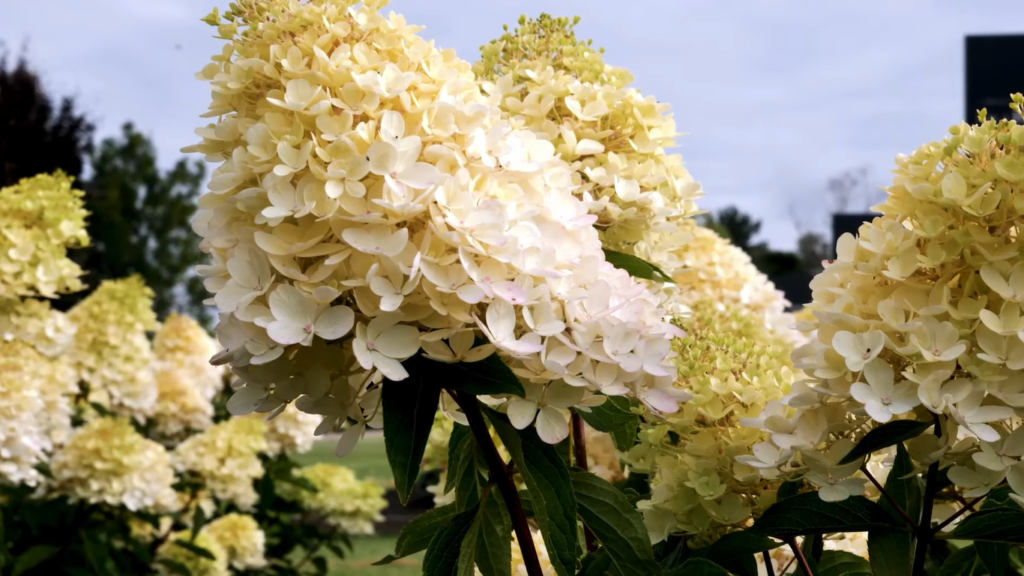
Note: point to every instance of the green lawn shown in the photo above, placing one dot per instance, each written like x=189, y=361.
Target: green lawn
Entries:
x=367, y=460
x=369, y=550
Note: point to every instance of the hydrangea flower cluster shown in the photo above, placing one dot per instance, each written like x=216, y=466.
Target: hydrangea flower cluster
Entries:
x=613, y=137
x=602, y=457
x=920, y=318
x=185, y=381
x=370, y=199
x=107, y=461
x=715, y=269
x=111, y=352
x=40, y=218
x=241, y=538
x=195, y=564
x=23, y=438
x=345, y=502
x=734, y=366
x=290, y=431
x=183, y=345
x=226, y=458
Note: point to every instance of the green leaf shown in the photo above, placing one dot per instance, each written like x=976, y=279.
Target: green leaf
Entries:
x=493, y=553
x=698, y=567
x=198, y=521
x=735, y=551
x=636, y=267
x=466, y=470
x=174, y=566
x=615, y=418
x=891, y=551
x=615, y=523
x=806, y=513
x=197, y=550
x=486, y=377
x=841, y=563
x=999, y=497
x=33, y=557
x=886, y=435
x=597, y=564
x=789, y=489
x=963, y=562
x=993, y=525
x=442, y=557
x=550, y=486
x=321, y=565
x=995, y=556
x=409, y=407
x=418, y=533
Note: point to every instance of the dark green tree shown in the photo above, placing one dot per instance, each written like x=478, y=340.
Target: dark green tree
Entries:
x=139, y=222
x=37, y=133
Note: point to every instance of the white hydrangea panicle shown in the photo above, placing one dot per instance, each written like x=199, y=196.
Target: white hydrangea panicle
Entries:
x=241, y=539
x=107, y=462
x=374, y=200
x=24, y=442
x=734, y=362
x=111, y=351
x=920, y=319
x=614, y=138
x=186, y=382
x=226, y=459
x=40, y=218
x=194, y=563
x=342, y=500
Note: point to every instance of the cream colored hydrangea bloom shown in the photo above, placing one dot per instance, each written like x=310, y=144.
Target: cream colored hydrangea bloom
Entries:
x=108, y=462
x=49, y=333
x=920, y=317
x=713, y=268
x=226, y=458
x=369, y=196
x=186, y=382
x=734, y=367
x=40, y=217
x=24, y=442
x=614, y=138
x=111, y=352
x=182, y=344
x=195, y=564
x=290, y=430
x=345, y=502
x=602, y=457
x=241, y=538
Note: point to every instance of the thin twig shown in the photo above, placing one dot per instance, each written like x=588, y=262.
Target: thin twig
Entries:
x=967, y=506
x=788, y=565
x=768, y=563
x=889, y=497
x=579, y=450
x=500, y=476
x=800, y=557
x=924, y=528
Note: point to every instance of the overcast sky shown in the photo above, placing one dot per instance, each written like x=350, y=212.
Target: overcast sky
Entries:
x=775, y=97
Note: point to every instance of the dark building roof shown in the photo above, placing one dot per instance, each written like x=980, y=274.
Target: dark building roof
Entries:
x=994, y=70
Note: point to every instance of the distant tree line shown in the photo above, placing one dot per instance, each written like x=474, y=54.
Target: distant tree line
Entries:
x=140, y=215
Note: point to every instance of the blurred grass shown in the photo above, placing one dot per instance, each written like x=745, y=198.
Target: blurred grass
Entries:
x=366, y=551
x=367, y=460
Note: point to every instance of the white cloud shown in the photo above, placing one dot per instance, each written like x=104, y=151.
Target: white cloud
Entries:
x=775, y=97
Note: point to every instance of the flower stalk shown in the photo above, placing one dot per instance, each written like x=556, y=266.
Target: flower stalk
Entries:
x=502, y=478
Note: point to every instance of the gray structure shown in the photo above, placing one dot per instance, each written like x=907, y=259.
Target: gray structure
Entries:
x=994, y=70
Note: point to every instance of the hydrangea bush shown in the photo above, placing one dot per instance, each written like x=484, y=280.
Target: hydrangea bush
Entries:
x=117, y=456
